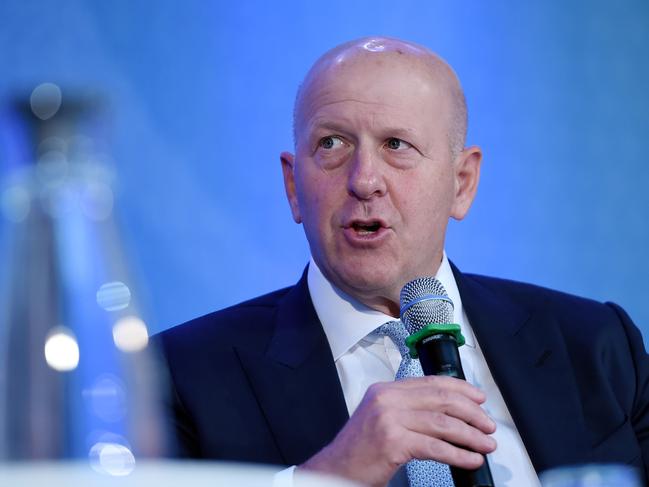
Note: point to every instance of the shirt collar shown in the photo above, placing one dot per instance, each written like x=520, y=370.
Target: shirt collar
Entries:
x=346, y=321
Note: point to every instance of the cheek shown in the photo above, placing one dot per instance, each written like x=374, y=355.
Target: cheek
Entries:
x=426, y=200
x=316, y=197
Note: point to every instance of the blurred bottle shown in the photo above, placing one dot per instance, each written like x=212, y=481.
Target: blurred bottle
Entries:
x=76, y=377
x=591, y=476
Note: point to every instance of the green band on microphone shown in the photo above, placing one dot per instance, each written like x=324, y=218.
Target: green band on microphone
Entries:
x=434, y=329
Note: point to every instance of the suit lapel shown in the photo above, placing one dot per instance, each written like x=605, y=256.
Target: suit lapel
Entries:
x=528, y=359
x=295, y=381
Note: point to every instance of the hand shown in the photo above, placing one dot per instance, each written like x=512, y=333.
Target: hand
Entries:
x=431, y=418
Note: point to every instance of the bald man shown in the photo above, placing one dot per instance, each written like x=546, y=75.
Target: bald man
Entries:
x=301, y=377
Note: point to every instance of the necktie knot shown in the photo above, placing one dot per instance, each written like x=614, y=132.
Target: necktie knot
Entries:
x=396, y=330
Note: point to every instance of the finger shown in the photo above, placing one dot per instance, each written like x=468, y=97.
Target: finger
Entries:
x=449, y=429
x=443, y=382
x=424, y=447
x=443, y=399
x=457, y=406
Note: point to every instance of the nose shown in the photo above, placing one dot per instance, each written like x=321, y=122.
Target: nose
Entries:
x=366, y=179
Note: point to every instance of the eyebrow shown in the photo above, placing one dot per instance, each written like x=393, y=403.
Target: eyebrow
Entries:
x=401, y=132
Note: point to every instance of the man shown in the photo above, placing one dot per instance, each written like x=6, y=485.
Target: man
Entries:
x=301, y=377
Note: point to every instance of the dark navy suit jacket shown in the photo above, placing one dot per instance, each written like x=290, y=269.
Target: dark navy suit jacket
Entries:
x=257, y=381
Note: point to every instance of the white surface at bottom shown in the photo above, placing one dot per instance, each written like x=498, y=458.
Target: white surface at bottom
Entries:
x=151, y=473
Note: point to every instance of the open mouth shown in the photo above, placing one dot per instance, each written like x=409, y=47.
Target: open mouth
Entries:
x=366, y=228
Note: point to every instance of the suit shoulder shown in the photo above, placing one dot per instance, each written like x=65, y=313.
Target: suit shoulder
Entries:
x=535, y=296
x=239, y=322
x=584, y=322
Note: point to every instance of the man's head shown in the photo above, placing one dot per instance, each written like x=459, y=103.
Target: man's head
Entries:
x=379, y=165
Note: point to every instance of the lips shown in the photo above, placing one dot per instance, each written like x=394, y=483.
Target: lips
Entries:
x=369, y=225
x=365, y=228
x=365, y=232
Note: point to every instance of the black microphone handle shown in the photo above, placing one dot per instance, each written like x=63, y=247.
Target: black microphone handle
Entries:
x=439, y=355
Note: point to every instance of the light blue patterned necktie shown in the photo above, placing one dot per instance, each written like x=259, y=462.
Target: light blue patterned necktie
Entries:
x=421, y=473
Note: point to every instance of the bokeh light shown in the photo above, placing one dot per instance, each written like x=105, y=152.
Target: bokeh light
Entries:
x=112, y=459
x=52, y=168
x=97, y=201
x=15, y=203
x=107, y=398
x=114, y=296
x=46, y=100
x=59, y=201
x=61, y=349
x=130, y=334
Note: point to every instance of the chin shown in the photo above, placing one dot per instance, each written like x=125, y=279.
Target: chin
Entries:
x=362, y=279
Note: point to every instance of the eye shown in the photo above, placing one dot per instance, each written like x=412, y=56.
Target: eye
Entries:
x=397, y=144
x=330, y=142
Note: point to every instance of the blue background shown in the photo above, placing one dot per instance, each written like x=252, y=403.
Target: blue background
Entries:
x=201, y=96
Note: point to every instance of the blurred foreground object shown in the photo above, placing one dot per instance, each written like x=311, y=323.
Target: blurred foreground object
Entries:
x=76, y=378
x=591, y=476
x=159, y=474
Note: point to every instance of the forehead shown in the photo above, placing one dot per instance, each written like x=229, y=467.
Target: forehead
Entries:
x=389, y=89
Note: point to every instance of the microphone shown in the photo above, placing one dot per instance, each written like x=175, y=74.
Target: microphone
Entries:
x=427, y=313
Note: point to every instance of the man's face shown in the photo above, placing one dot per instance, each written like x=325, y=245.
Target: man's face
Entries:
x=373, y=179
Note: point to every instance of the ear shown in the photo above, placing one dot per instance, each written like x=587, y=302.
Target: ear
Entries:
x=467, y=175
x=288, y=169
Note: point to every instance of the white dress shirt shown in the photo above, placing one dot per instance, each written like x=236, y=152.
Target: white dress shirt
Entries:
x=363, y=358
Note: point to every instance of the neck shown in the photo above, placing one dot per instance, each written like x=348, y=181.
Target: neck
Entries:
x=384, y=305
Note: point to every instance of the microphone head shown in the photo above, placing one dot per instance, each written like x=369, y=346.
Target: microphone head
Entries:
x=424, y=301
